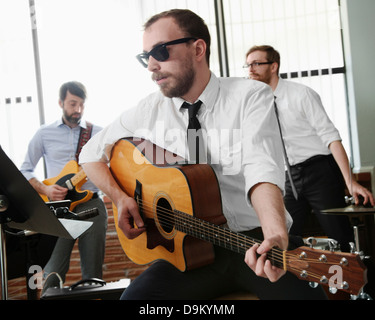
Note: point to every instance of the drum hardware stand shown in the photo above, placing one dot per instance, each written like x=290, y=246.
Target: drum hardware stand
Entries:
x=3, y=257
x=354, y=248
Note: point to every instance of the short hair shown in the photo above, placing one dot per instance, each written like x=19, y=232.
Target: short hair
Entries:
x=189, y=22
x=74, y=87
x=272, y=54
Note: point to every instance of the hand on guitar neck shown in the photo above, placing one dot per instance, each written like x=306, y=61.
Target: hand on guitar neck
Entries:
x=273, y=229
x=261, y=265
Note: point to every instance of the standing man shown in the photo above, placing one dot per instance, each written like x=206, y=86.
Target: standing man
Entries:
x=244, y=149
x=58, y=143
x=319, y=164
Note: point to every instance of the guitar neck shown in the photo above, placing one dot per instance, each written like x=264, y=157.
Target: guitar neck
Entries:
x=222, y=237
x=78, y=177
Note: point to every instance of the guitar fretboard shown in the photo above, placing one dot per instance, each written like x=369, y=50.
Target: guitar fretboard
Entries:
x=78, y=177
x=220, y=236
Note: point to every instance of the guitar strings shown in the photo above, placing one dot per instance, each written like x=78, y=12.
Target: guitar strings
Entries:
x=191, y=220
x=166, y=218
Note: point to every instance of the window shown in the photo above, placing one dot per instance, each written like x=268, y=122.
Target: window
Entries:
x=91, y=41
x=19, y=115
x=95, y=42
x=307, y=34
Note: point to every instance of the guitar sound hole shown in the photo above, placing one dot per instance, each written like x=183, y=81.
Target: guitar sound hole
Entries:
x=165, y=215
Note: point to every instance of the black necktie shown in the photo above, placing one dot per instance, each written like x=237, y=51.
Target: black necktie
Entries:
x=194, y=134
x=285, y=155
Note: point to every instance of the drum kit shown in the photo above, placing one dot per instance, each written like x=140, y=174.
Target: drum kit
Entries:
x=355, y=213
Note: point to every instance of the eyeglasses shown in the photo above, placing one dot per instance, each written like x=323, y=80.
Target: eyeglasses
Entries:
x=255, y=64
x=160, y=52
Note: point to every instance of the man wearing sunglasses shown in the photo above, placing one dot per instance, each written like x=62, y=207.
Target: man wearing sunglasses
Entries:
x=237, y=118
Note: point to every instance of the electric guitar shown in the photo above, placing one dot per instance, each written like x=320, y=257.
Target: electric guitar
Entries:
x=71, y=177
x=181, y=207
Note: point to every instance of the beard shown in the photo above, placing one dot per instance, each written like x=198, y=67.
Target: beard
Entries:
x=73, y=119
x=181, y=83
x=266, y=77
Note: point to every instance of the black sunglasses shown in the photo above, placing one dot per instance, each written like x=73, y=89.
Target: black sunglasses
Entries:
x=160, y=52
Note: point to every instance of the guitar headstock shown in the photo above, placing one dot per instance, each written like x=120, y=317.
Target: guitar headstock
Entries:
x=343, y=271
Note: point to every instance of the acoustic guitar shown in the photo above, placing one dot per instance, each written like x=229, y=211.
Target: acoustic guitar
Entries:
x=181, y=207
x=71, y=177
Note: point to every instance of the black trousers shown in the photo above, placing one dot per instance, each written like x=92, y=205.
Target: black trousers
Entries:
x=229, y=273
x=320, y=185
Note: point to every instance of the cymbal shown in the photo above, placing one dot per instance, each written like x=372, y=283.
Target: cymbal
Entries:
x=351, y=209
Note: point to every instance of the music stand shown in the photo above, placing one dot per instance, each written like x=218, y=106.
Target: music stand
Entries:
x=22, y=208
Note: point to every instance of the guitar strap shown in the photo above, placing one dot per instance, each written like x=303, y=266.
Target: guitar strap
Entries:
x=84, y=136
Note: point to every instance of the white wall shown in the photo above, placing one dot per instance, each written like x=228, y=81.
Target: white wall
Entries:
x=358, y=25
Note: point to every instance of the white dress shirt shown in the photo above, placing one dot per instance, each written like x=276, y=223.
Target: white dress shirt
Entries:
x=305, y=125
x=241, y=136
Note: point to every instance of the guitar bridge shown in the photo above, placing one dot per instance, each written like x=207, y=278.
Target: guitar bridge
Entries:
x=138, y=197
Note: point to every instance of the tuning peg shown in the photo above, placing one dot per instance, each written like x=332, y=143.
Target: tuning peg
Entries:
x=313, y=284
x=333, y=245
x=332, y=290
x=361, y=296
x=311, y=241
x=352, y=247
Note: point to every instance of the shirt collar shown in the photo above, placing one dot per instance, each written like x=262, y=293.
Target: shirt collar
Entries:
x=82, y=123
x=208, y=96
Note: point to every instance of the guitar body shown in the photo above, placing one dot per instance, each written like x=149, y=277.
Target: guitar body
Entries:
x=71, y=172
x=163, y=188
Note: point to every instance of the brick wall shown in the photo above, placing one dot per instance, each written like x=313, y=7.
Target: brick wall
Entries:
x=116, y=265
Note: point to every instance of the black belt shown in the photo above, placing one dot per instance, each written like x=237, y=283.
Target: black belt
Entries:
x=312, y=160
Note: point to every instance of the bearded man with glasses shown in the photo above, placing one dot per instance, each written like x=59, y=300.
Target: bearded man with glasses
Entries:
x=319, y=165
x=243, y=149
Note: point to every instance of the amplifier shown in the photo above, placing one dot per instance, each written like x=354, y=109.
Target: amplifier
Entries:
x=91, y=289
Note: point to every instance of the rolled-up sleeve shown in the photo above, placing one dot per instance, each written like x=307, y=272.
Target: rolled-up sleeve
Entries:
x=262, y=149
x=318, y=118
